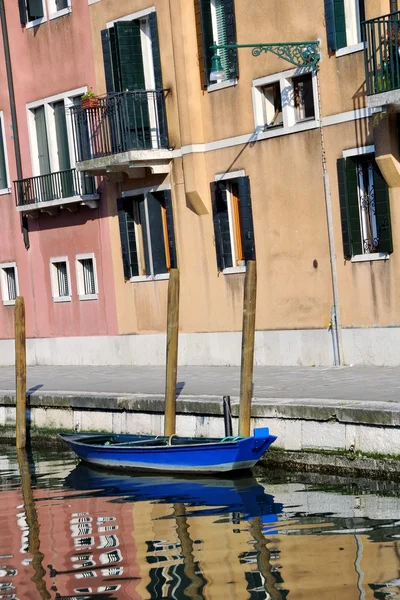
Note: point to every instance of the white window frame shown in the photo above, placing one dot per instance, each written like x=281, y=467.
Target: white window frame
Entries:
x=6, y=190
x=68, y=98
x=3, y=282
x=143, y=192
x=290, y=124
x=79, y=276
x=54, y=280
x=54, y=13
x=365, y=257
x=353, y=28
x=237, y=268
x=37, y=22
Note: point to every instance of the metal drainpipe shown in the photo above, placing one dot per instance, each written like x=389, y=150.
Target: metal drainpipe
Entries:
x=393, y=6
x=17, y=149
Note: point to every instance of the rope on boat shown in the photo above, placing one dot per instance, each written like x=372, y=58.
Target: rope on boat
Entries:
x=233, y=438
x=170, y=439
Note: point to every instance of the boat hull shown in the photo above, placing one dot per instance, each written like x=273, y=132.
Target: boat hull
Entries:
x=203, y=456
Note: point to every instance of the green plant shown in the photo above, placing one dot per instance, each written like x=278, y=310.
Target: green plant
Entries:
x=89, y=94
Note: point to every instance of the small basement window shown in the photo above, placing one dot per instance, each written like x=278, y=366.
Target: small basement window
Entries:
x=86, y=277
x=9, y=283
x=60, y=280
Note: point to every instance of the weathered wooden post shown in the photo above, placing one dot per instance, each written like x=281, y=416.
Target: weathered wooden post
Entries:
x=248, y=333
x=172, y=352
x=20, y=372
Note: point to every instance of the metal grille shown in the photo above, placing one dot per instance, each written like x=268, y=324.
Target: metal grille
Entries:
x=11, y=283
x=62, y=279
x=89, y=286
x=53, y=186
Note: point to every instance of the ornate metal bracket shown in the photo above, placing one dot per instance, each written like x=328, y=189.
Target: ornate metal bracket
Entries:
x=300, y=54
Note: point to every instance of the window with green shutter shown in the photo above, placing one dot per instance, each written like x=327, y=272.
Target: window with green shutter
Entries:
x=364, y=207
x=343, y=20
x=30, y=10
x=215, y=23
x=3, y=169
x=147, y=234
x=233, y=222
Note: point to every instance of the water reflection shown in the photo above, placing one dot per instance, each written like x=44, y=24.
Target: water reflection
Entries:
x=78, y=533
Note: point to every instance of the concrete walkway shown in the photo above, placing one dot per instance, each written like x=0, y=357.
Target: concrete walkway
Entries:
x=350, y=384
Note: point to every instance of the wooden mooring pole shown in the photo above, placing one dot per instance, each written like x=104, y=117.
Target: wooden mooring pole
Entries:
x=248, y=333
x=20, y=372
x=172, y=352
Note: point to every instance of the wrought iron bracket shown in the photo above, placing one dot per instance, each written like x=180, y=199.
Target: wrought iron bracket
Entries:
x=300, y=54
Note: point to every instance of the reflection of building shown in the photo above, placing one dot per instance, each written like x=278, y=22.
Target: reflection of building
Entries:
x=167, y=168
x=146, y=550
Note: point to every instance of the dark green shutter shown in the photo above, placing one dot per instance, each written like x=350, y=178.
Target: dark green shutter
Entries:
x=206, y=38
x=361, y=5
x=22, y=12
x=167, y=202
x=155, y=48
x=344, y=208
x=335, y=22
x=230, y=24
x=3, y=171
x=222, y=234
x=246, y=218
x=61, y=136
x=217, y=227
x=35, y=9
x=123, y=230
x=349, y=207
x=156, y=235
x=128, y=41
x=107, y=59
x=42, y=144
x=143, y=220
x=382, y=210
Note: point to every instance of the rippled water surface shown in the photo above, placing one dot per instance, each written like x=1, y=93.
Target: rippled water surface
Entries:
x=69, y=532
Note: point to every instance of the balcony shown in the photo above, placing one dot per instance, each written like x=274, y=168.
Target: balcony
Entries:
x=382, y=60
x=122, y=133
x=49, y=193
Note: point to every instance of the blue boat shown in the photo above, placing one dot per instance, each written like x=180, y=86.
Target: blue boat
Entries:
x=170, y=454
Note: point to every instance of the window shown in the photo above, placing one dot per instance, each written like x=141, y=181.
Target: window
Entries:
x=9, y=283
x=364, y=207
x=86, y=277
x=60, y=279
x=59, y=7
x=147, y=234
x=285, y=100
x=343, y=22
x=4, y=179
x=30, y=11
x=233, y=222
x=215, y=22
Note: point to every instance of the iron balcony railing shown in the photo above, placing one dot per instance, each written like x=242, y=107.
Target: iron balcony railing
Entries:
x=382, y=59
x=120, y=122
x=54, y=186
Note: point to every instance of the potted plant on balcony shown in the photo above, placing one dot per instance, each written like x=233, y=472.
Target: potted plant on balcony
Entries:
x=89, y=99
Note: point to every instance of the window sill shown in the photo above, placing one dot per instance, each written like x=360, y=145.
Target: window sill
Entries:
x=304, y=125
x=370, y=257
x=139, y=278
x=350, y=49
x=233, y=270
x=5, y=191
x=62, y=299
x=93, y=1
x=220, y=85
x=36, y=22
x=60, y=13
x=9, y=302
x=89, y=297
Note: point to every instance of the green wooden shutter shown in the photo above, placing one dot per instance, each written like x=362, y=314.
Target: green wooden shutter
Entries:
x=35, y=9
x=155, y=48
x=42, y=144
x=108, y=50
x=349, y=207
x=128, y=40
x=217, y=227
x=156, y=235
x=344, y=207
x=246, y=218
x=335, y=22
x=361, y=6
x=61, y=136
x=123, y=230
x=3, y=171
x=382, y=210
x=232, y=66
x=23, y=17
x=146, y=241
x=167, y=203
x=206, y=38
x=200, y=49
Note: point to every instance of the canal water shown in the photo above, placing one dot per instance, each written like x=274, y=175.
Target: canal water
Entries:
x=69, y=532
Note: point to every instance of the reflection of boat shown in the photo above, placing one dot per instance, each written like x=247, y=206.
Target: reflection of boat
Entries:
x=242, y=494
x=170, y=454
